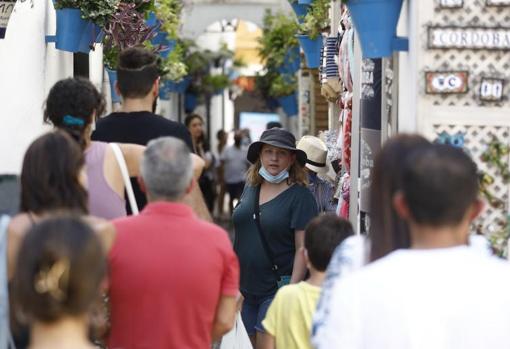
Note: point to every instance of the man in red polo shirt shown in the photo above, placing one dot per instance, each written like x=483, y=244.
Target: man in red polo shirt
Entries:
x=174, y=279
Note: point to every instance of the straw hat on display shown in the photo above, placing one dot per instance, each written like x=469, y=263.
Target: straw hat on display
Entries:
x=316, y=153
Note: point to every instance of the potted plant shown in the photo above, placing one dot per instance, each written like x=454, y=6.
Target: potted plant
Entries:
x=315, y=22
x=376, y=25
x=6, y=7
x=305, y=2
x=79, y=23
x=126, y=28
x=174, y=73
x=278, y=46
x=299, y=9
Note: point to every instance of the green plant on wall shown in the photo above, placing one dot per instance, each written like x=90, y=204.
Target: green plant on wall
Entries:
x=278, y=37
x=169, y=13
x=97, y=11
x=316, y=20
x=282, y=85
x=173, y=67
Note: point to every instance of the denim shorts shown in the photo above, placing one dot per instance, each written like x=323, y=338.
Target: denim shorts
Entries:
x=254, y=311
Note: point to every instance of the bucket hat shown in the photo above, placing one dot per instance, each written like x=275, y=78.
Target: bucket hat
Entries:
x=279, y=138
x=316, y=153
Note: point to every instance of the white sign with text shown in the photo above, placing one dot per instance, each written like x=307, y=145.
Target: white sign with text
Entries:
x=469, y=38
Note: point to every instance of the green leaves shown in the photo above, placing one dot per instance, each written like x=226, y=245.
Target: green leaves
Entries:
x=97, y=11
x=169, y=13
x=317, y=19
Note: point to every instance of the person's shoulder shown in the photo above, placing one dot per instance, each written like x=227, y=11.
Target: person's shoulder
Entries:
x=18, y=225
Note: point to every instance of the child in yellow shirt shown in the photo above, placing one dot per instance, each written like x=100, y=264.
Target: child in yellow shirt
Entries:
x=289, y=318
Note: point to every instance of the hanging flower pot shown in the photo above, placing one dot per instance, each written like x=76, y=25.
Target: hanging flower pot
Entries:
x=91, y=35
x=289, y=104
x=305, y=2
x=169, y=47
x=300, y=10
x=71, y=29
x=112, y=77
x=172, y=86
x=292, y=62
x=312, y=49
x=376, y=24
x=190, y=102
x=6, y=7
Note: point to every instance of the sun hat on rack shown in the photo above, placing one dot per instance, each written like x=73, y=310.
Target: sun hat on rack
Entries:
x=316, y=153
x=279, y=138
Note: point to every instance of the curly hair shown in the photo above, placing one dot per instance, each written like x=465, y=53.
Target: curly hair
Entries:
x=75, y=97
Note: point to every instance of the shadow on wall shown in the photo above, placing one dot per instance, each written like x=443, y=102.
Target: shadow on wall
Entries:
x=9, y=194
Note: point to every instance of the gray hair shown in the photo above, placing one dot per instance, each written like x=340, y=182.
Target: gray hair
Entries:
x=167, y=168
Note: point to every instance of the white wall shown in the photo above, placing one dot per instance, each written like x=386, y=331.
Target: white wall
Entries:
x=28, y=68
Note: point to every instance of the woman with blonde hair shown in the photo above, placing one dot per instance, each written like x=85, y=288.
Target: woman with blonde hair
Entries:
x=269, y=223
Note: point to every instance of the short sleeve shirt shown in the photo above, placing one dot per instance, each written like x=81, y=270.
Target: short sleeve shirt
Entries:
x=168, y=270
x=235, y=164
x=289, y=318
x=280, y=218
x=138, y=128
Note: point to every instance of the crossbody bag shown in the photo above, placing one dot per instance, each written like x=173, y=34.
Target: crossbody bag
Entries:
x=281, y=280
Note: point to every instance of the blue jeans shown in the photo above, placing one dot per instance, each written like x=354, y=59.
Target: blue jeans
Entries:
x=254, y=311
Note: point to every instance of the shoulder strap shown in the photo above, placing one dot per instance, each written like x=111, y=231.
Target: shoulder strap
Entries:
x=267, y=249
x=125, y=176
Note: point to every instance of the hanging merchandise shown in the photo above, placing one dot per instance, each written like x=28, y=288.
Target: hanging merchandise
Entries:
x=330, y=81
x=6, y=8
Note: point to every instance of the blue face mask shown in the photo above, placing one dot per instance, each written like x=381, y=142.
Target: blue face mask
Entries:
x=280, y=177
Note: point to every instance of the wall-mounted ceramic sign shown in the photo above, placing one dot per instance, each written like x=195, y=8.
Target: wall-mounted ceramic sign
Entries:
x=469, y=38
x=491, y=89
x=497, y=2
x=446, y=82
x=451, y=3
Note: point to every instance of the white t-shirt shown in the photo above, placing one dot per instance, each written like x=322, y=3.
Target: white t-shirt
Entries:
x=235, y=164
x=451, y=298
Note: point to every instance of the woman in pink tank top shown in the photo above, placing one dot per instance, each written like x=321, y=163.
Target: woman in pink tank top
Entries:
x=72, y=106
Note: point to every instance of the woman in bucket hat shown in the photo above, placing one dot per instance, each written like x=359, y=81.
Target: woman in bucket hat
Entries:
x=269, y=223
x=317, y=166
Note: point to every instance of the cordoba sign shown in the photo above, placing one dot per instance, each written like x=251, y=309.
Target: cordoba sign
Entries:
x=469, y=38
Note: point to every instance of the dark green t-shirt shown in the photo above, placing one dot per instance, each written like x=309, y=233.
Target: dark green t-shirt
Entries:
x=290, y=211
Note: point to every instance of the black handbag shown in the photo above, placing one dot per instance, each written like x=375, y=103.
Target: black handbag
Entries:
x=281, y=280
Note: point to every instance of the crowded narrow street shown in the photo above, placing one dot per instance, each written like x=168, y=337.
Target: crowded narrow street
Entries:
x=254, y=174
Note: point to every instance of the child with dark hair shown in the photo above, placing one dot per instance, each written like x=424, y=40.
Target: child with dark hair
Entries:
x=289, y=318
x=59, y=272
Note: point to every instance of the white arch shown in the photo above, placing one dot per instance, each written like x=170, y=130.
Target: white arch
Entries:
x=199, y=14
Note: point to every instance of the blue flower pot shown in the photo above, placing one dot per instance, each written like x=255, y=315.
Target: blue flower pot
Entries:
x=272, y=103
x=92, y=34
x=2, y=32
x=312, y=49
x=112, y=76
x=305, y=2
x=190, y=102
x=300, y=10
x=289, y=104
x=169, y=86
x=376, y=24
x=292, y=62
x=71, y=29
x=169, y=47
